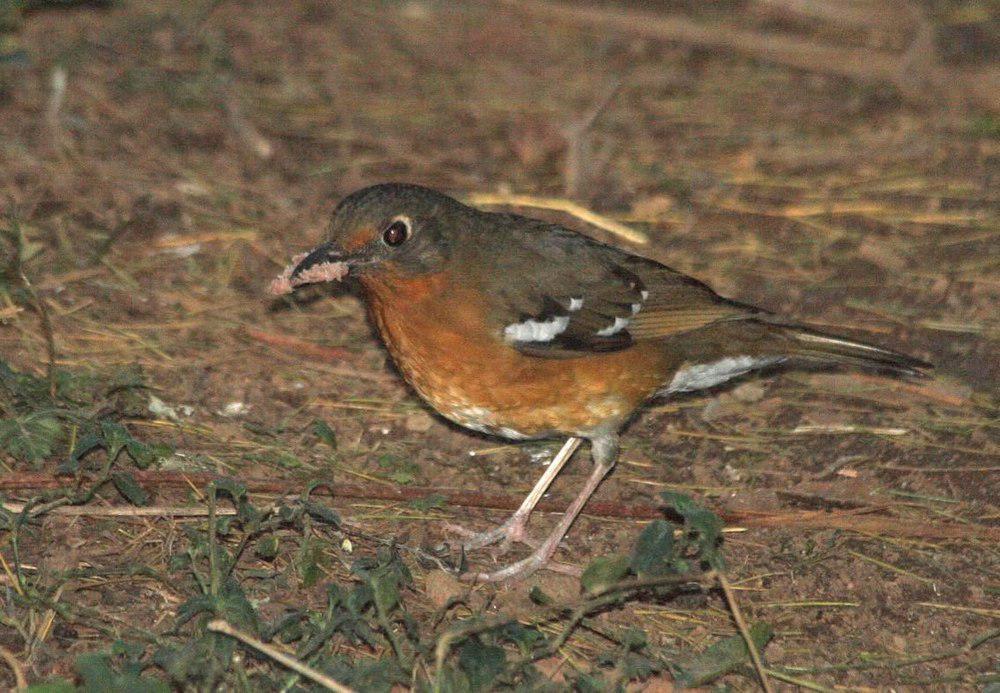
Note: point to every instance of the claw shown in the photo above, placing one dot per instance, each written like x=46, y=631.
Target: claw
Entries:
x=511, y=531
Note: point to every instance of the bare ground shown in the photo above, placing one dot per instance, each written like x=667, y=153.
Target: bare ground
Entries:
x=199, y=145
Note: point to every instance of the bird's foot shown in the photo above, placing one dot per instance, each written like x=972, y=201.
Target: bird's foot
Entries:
x=513, y=530
x=540, y=558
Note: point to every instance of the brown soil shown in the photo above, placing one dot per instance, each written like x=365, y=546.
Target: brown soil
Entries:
x=200, y=145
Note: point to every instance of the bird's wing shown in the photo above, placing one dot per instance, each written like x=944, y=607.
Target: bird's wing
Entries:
x=584, y=297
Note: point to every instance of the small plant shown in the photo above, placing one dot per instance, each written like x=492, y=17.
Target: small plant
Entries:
x=79, y=414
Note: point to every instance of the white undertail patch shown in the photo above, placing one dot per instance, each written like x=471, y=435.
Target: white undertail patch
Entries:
x=536, y=330
x=705, y=375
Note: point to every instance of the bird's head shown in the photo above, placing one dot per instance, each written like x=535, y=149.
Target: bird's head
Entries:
x=386, y=229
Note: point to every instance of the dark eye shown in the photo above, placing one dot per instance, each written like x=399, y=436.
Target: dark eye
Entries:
x=396, y=232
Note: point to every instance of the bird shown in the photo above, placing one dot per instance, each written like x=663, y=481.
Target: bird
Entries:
x=523, y=329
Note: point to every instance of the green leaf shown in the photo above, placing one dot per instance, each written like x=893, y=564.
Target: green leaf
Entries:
x=98, y=676
x=724, y=656
x=267, y=548
x=654, y=549
x=145, y=454
x=634, y=639
x=431, y=502
x=31, y=437
x=585, y=683
x=52, y=686
x=603, y=573
x=481, y=663
x=95, y=670
x=538, y=596
x=524, y=638
x=635, y=666
x=385, y=591
x=322, y=513
x=130, y=489
x=402, y=477
x=198, y=658
x=115, y=437
x=232, y=488
x=192, y=607
x=234, y=607
x=323, y=431
x=704, y=524
x=309, y=562
x=84, y=445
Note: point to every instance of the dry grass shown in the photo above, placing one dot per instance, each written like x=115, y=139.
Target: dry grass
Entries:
x=197, y=146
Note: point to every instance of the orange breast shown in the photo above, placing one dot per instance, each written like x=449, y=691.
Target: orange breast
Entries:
x=463, y=368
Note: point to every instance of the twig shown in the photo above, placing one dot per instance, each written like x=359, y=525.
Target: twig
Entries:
x=577, y=133
x=57, y=95
x=734, y=607
x=249, y=135
x=937, y=470
x=214, y=575
x=17, y=240
x=794, y=680
x=830, y=429
x=20, y=682
x=220, y=626
x=981, y=87
x=993, y=613
x=848, y=16
x=298, y=346
x=558, y=204
x=123, y=511
x=970, y=645
x=856, y=520
x=890, y=567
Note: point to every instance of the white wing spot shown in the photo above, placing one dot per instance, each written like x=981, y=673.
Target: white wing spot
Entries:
x=619, y=325
x=575, y=303
x=536, y=330
x=644, y=294
x=705, y=375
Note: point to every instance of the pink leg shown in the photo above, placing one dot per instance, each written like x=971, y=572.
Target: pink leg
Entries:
x=514, y=528
x=604, y=452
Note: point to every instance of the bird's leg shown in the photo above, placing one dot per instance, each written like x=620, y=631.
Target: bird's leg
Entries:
x=605, y=452
x=514, y=528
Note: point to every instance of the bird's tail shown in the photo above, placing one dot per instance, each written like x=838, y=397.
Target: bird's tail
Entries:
x=809, y=344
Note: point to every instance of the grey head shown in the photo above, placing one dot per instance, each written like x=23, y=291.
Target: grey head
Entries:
x=406, y=229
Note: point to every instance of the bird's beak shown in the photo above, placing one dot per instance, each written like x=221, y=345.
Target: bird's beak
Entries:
x=322, y=254
x=322, y=264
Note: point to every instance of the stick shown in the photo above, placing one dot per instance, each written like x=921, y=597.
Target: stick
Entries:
x=856, y=519
x=578, y=150
x=20, y=682
x=734, y=607
x=558, y=204
x=938, y=470
x=298, y=346
x=861, y=64
x=124, y=510
x=219, y=626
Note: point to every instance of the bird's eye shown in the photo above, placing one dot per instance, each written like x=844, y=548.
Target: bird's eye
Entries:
x=396, y=232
